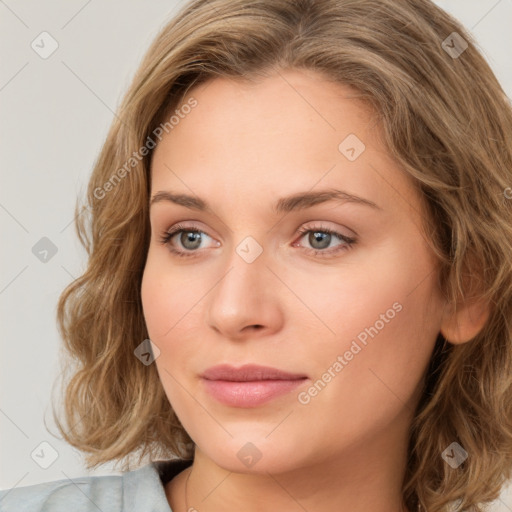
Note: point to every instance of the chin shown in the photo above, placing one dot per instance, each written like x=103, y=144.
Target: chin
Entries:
x=254, y=454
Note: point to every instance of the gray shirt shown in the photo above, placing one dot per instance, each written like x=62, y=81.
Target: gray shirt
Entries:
x=139, y=490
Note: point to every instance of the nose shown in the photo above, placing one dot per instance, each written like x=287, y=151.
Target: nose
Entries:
x=245, y=301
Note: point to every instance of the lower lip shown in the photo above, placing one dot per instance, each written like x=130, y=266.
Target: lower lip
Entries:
x=249, y=394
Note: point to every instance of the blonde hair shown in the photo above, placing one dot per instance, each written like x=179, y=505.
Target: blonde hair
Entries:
x=447, y=123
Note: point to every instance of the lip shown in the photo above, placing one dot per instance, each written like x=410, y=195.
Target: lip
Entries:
x=249, y=385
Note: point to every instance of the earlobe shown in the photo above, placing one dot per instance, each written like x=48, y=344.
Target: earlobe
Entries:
x=462, y=324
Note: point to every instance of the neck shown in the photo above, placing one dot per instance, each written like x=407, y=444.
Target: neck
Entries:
x=366, y=476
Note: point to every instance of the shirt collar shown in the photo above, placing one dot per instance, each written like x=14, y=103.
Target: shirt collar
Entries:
x=144, y=488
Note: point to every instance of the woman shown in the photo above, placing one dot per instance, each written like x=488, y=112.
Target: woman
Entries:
x=299, y=285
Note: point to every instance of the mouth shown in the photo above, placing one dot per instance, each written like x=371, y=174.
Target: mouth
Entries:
x=250, y=385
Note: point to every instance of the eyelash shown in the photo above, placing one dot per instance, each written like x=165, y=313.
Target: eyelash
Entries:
x=347, y=245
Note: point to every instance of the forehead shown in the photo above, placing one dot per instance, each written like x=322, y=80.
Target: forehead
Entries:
x=283, y=133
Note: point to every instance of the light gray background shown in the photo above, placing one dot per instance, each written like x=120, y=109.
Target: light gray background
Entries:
x=55, y=115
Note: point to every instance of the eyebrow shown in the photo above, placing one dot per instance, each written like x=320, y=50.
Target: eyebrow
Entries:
x=295, y=202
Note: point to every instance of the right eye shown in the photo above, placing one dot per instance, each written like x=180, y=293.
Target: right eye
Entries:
x=189, y=237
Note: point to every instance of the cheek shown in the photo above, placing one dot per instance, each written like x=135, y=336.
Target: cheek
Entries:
x=168, y=298
x=171, y=300
x=386, y=289
x=386, y=321
x=167, y=301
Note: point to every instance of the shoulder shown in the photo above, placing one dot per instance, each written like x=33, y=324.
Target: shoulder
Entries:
x=84, y=494
x=138, y=490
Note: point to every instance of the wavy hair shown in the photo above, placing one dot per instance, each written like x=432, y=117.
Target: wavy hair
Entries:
x=446, y=121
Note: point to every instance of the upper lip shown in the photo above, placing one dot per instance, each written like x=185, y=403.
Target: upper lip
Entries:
x=248, y=372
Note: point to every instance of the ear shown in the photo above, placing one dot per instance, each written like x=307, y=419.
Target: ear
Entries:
x=463, y=323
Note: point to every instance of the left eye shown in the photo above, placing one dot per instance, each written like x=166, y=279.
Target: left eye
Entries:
x=190, y=239
x=320, y=238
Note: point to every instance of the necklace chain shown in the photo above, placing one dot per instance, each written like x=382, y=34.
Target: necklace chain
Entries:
x=186, y=489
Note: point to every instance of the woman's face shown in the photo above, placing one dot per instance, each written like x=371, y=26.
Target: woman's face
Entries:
x=350, y=317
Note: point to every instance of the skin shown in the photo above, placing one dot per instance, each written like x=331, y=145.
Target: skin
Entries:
x=242, y=147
